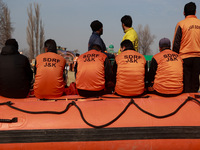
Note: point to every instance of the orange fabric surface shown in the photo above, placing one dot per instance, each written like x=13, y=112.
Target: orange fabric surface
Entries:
x=130, y=73
x=190, y=42
x=91, y=72
x=169, y=74
x=49, y=81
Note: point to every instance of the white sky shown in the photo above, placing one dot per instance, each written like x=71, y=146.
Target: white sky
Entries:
x=68, y=21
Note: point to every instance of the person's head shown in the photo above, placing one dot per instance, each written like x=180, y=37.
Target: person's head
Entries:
x=126, y=44
x=77, y=54
x=96, y=47
x=12, y=42
x=126, y=22
x=190, y=9
x=50, y=46
x=97, y=26
x=164, y=43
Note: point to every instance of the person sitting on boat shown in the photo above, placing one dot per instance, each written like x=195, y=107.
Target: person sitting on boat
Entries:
x=93, y=72
x=166, y=71
x=49, y=72
x=129, y=71
x=15, y=72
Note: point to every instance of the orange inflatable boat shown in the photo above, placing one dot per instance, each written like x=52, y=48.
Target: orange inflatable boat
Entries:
x=105, y=123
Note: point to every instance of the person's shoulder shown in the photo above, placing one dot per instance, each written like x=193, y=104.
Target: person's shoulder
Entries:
x=21, y=56
x=133, y=51
x=60, y=57
x=139, y=54
x=40, y=55
x=181, y=22
x=157, y=55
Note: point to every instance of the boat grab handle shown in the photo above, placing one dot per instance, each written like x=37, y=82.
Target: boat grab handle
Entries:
x=13, y=120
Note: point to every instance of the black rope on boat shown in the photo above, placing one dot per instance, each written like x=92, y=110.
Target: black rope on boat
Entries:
x=144, y=111
x=40, y=112
x=112, y=121
x=96, y=98
x=170, y=114
x=107, y=124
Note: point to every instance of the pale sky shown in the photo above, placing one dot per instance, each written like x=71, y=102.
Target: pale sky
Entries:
x=68, y=21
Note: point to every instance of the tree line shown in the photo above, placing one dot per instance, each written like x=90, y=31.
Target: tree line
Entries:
x=36, y=33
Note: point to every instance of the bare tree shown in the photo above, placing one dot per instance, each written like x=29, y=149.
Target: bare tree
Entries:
x=35, y=31
x=6, y=27
x=41, y=37
x=145, y=39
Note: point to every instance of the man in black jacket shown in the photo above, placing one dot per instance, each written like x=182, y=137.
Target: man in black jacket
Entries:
x=15, y=72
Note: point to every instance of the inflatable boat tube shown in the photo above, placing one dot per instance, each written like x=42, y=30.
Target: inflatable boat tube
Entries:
x=105, y=123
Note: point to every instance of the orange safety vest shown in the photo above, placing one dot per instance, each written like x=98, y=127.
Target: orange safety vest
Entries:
x=49, y=81
x=190, y=41
x=90, y=71
x=169, y=74
x=130, y=73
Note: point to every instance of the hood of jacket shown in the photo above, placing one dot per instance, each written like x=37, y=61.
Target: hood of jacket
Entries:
x=9, y=50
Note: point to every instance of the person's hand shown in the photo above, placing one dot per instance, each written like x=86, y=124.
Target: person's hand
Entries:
x=150, y=89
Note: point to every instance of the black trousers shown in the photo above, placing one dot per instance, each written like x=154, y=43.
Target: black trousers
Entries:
x=164, y=95
x=86, y=93
x=191, y=71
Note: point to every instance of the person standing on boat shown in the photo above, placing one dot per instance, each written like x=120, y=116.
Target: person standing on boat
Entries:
x=95, y=38
x=50, y=77
x=129, y=71
x=15, y=72
x=187, y=44
x=130, y=33
x=166, y=71
x=93, y=72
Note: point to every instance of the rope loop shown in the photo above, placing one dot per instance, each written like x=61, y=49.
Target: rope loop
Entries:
x=73, y=103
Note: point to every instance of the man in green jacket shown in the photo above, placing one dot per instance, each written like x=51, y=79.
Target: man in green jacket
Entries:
x=130, y=33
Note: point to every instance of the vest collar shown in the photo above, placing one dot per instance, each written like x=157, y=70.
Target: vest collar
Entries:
x=129, y=49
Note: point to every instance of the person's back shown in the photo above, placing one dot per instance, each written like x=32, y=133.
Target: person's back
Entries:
x=186, y=39
x=166, y=71
x=15, y=73
x=169, y=74
x=93, y=73
x=129, y=71
x=49, y=80
x=187, y=44
x=95, y=38
x=130, y=33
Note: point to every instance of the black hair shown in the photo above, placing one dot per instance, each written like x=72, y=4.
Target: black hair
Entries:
x=127, y=44
x=96, y=25
x=190, y=9
x=77, y=54
x=50, y=45
x=97, y=47
x=127, y=20
x=12, y=42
